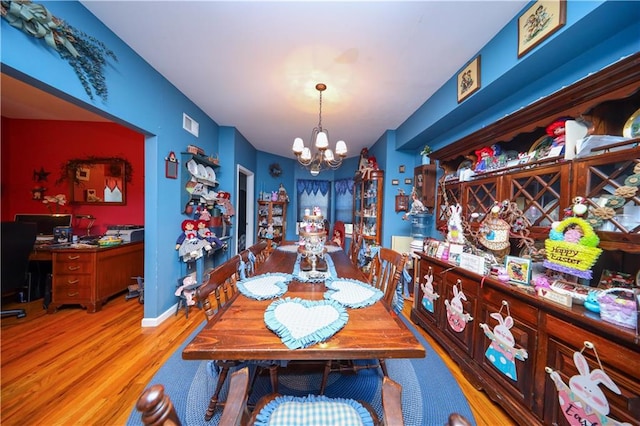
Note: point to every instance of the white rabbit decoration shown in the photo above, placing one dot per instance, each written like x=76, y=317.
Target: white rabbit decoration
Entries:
x=583, y=402
x=456, y=316
x=502, y=352
x=455, y=232
x=428, y=294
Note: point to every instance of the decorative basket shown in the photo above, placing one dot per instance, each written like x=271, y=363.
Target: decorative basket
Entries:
x=575, y=258
x=622, y=311
x=192, y=149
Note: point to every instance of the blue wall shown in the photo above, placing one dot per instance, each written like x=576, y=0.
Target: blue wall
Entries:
x=596, y=34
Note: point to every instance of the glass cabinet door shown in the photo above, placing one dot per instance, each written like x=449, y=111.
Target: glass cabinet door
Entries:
x=479, y=196
x=449, y=193
x=539, y=194
x=611, y=181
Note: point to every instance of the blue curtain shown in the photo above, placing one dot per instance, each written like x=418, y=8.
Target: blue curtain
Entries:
x=307, y=186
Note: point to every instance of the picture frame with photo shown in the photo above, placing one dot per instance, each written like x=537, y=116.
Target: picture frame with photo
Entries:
x=538, y=22
x=469, y=79
x=518, y=269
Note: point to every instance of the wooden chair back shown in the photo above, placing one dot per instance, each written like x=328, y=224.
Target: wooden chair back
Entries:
x=156, y=408
x=386, y=269
x=220, y=288
x=261, y=251
x=391, y=402
x=235, y=411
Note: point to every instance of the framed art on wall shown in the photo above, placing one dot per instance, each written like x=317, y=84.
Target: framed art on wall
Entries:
x=469, y=79
x=538, y=22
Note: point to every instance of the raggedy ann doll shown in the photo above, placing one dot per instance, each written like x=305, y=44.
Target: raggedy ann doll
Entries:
x=205, y=233
x=189, y=244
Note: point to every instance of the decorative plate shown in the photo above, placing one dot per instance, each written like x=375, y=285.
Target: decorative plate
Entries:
x=352, y=293
x=211, y=174
x=192, y=166
x=301, y=323
x=202, y=171
x=631, y=128
x=266, y=286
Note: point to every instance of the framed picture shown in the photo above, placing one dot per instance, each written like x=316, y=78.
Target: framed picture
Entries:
x=171, y=166
x=395, y=182
x=538, y=22
x=401, y=169
x=469, y=79
x=407, y=181
x=83, y=173
x=518, y=269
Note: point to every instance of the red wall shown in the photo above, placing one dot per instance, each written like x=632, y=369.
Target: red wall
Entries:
x=29, y=145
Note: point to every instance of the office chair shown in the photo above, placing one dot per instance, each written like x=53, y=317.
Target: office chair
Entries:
x=17, y=239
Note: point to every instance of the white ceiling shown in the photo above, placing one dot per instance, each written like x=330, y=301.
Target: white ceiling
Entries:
x=254, y=64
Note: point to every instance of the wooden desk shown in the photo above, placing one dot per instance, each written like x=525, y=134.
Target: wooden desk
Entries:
x=241, y=334
x=89, y=276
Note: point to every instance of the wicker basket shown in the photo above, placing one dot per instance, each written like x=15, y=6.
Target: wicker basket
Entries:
x=575, y=258
x=622, y=311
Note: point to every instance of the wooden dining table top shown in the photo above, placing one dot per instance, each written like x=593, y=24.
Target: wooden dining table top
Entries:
x=240, y=333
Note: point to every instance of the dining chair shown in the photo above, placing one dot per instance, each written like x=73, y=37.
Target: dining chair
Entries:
x=214, y=295
x=354, y=247
x=261, y=251
x=384, y=274
x=158, y=410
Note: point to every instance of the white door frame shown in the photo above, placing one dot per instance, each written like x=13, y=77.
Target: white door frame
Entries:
x=250, y=230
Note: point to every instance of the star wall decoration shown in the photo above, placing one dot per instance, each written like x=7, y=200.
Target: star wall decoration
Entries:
x=41, y=175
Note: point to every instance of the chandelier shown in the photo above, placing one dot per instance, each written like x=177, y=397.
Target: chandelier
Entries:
x=323, y=157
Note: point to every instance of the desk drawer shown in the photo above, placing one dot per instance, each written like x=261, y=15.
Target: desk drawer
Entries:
x=71, y=287
x=73, y=267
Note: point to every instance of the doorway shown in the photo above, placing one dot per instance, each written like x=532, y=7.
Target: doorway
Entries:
x=245, y=210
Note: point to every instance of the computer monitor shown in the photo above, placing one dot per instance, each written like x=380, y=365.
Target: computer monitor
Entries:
x=45, y=222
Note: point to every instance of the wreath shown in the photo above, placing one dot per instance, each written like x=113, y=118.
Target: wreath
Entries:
x=275, y=170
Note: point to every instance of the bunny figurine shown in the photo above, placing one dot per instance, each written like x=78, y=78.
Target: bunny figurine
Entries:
x=583, y=402
x=501, y=352
x=428, y=294
x=456, y=316
x=455, y=232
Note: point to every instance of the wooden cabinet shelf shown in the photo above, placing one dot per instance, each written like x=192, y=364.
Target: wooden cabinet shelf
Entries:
x=272, y=213
x=368, y=197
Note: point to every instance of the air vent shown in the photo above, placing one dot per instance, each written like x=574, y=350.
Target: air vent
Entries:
x=190, y=125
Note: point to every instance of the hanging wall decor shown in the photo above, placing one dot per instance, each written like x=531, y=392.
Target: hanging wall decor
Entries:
x=171, y=166
x=456, y=316
x=502, y=352
x=428, y=293
x=582, y=401
x=87, y=55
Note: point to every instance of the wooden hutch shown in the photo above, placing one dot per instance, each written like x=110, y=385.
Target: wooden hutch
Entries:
x=550, y=333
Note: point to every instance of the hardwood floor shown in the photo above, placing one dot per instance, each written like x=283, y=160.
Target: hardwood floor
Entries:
x=74, y=368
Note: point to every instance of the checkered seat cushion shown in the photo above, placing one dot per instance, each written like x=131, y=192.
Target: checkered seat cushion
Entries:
x=313, y=410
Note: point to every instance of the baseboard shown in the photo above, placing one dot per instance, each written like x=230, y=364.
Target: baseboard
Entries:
x=154, y=322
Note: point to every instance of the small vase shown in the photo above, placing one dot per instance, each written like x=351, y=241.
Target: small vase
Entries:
x=426, y=159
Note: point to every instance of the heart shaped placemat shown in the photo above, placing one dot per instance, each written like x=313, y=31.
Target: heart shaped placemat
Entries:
x=352, y=293
x=265, y=286
x=301, y=323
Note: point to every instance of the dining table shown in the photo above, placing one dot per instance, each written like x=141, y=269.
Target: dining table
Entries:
x=239, y=331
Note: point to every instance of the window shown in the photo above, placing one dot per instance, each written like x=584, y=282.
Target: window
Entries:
x=344, y=199
x=312, y=193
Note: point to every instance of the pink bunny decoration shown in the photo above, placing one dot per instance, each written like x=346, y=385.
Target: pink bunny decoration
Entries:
x=583, y=402
x=456, y=316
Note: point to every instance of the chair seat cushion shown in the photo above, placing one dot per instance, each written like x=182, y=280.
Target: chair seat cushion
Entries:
x=313, y=410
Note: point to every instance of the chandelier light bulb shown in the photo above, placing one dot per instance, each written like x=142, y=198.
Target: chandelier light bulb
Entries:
x=323, y=157
x=298, y=145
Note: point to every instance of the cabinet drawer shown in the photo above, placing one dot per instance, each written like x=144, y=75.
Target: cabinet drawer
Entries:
x=624, y=407
x=518, y=308
x=512, y=367
x=70, y=291
x=73, y=267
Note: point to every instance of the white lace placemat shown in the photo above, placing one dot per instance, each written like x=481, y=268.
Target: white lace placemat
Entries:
x=352, y=293
x=265, y=286
x=301, y=323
